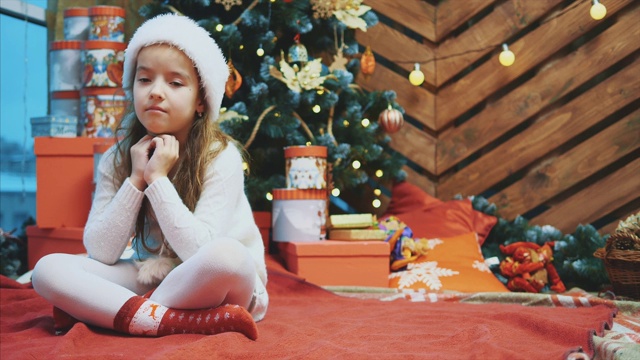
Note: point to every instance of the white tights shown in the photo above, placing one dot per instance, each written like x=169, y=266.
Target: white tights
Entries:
x=220, y=272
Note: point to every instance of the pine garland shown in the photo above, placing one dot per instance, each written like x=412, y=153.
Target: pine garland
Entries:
x=573, y=253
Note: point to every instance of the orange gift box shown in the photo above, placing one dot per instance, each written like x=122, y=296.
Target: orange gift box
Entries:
x=263, y=220
x=48, y=241
x=64, y=173
x=346, y=263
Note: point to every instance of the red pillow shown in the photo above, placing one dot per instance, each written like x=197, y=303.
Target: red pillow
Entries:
x=406, y=197
x=429, y=217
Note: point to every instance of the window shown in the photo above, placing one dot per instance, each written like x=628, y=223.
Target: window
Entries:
x=23, y=95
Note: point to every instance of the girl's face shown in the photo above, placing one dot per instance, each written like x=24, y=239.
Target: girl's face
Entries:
x=165, y=91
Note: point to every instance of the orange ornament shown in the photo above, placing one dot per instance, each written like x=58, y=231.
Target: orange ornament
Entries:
x=367, y=62
x=233, y=82
x=391, y=120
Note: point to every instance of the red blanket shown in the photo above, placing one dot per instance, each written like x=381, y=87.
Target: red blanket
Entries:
x=306, y=321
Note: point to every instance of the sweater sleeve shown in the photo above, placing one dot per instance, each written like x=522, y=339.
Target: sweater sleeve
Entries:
x=216, y=212
x=113, y=214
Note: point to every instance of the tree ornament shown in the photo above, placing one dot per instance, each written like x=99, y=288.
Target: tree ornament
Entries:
x=226, y=115
x=234, y=81
x=339, y=61
x=391, y=120
x=322, y=8
x=349, y=12
x=298, y=52
x=367, y=62
x=229, y=3
x=299, y=79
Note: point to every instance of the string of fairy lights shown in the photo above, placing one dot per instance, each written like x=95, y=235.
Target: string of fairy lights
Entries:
x=506, y=57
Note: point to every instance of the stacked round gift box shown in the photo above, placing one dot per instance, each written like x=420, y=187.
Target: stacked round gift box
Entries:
x=300, y=211
x=85, y=69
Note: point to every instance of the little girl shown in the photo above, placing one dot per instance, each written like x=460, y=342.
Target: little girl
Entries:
x=175, y=183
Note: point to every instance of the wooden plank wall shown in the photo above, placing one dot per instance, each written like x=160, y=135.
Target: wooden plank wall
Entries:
x=554, y=137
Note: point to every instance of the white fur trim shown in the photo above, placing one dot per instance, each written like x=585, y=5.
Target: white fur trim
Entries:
x=185, y=34
x=153, y=270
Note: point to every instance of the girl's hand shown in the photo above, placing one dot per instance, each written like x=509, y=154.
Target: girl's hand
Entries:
x=165, y=156
x=140, y=153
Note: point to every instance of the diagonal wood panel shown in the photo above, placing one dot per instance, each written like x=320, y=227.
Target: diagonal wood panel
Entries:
x=416, y=145
x=545, y=135
x=610, y=47
x=418, y=103
x=559, y=174
x=417, y=15
x=388, y=41
x=600, y=198
x=506, y=20
x=450, y=15
x=489, y=77
x=537, y=135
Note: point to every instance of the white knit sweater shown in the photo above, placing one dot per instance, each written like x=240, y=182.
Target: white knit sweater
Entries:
x=223, y=210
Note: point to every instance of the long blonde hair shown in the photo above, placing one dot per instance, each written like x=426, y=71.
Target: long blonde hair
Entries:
x=205, y=141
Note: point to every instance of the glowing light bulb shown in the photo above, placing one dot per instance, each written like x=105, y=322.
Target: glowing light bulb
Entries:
x=506, y=58
x=269, y=196
x=376, y=203
x=260, y=51
x=377, y=192
x=416, y=77
x=356, y=164
x=597, y=11
x=241, y=47
x=308, y=143
x=379, y=173
x=335, y=192
x=316, y=108
x=219, y=27
x=365, y=122
x=345, y=123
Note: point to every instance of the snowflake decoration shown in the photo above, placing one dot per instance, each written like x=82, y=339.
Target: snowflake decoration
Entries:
x=481, y=266
x=229, y=3
x=426, y=272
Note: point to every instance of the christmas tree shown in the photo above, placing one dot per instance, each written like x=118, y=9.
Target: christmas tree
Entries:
x=293, y=66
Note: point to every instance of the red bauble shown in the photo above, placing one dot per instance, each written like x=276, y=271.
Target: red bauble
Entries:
x=391, y=120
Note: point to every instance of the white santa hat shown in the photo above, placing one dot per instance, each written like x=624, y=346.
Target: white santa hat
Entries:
x=193, y=40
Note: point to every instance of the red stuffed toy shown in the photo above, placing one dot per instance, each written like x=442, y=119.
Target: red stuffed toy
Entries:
x=528, y=266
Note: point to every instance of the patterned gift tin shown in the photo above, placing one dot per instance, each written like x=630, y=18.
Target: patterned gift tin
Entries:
x=107, y=23
x=103, y=63
x=65, y=103
x=76, y=23
x=306, y=167
x=299, y=215
x=56, y=126
x=65, y=65
x=102, y=110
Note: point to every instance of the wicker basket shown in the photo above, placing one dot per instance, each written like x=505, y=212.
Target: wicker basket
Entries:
x=623, y=268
